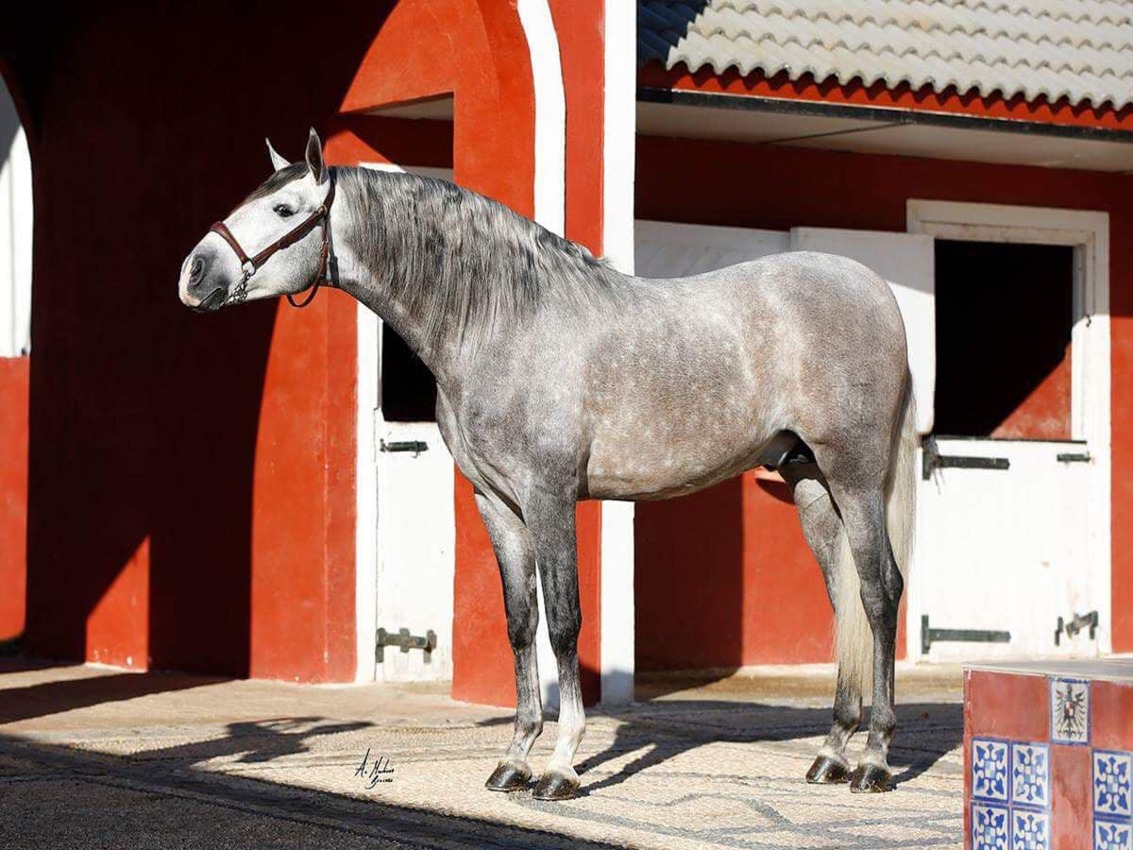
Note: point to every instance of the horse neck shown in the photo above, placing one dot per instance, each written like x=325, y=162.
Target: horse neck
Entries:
x=378, y=243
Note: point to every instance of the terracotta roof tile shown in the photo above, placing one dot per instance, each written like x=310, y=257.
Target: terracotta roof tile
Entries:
x=1078, y=49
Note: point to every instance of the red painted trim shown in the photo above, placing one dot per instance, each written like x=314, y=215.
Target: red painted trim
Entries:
x=877, y=95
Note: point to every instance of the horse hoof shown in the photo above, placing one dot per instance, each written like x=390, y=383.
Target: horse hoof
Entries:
x=828, y=771
x=509, y=777
x=556, y=786
x=869, y=779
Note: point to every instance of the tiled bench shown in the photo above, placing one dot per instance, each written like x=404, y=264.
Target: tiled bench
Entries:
x=1048, y=755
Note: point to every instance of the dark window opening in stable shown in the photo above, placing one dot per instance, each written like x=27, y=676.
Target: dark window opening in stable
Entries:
x=409, y=392
x=1004, y=313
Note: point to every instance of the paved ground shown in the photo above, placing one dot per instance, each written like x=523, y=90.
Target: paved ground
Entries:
x=100, y=759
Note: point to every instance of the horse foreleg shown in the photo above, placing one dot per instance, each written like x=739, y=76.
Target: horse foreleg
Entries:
x=822, y=528
x=552, y=523
x=881, y=585
x=515, y=553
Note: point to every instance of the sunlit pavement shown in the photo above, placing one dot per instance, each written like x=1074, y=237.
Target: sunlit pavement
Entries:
x=98, y=758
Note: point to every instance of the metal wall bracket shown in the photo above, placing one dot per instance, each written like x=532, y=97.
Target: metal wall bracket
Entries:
x=405, y=642
x=930, y=636
x=1079, y=622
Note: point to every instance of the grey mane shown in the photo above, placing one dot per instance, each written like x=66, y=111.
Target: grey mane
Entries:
x=460, y=261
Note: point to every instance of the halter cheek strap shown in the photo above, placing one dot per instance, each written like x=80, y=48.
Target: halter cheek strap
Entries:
x=250, y=265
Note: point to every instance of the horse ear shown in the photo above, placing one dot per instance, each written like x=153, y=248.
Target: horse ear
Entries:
x=315, y=157
x=277, y=161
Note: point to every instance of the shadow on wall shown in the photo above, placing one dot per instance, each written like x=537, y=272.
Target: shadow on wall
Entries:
x=144, y=418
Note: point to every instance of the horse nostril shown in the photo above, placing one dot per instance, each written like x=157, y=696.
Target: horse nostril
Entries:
x=196, y=271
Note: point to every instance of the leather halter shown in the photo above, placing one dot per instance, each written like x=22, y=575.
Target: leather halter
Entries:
x=250, y=265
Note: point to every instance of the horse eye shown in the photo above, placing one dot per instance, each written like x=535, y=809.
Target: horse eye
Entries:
x=283, y=211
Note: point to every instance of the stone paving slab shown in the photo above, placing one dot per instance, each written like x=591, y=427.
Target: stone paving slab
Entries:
x=96, y=758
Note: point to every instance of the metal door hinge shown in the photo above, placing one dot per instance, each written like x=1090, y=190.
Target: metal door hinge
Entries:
x=405, y=642
x=930, y=636
x=1074, y=457
x=932, y=459
x=1076, y=624
x=415, y=446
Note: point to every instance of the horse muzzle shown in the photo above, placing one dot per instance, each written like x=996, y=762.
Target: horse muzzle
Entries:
x=198, y=288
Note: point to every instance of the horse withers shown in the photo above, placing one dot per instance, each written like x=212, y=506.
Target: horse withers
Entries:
x=560, y=379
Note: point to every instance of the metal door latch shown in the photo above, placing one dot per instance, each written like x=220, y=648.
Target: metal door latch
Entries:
x=931, y=636
x=1079, y=622
x=406, y=642
x=415, y=446
x=932, y=459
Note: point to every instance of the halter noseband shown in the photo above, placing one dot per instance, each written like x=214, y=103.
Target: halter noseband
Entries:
x=250, y=265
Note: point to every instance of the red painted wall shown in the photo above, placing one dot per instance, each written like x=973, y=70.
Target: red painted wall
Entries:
x=13, y=494
x=191, y=500
x=698, y=605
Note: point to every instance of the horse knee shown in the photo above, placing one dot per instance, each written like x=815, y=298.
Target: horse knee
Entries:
x=521, y=627
x=563, y=628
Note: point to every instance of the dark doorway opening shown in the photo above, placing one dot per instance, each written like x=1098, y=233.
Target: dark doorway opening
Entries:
x=408, y=391
x=1004, y=314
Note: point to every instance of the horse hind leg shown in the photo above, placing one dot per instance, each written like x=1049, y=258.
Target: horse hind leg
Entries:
x=824, y=534
x=515, y=553
x=881, y=585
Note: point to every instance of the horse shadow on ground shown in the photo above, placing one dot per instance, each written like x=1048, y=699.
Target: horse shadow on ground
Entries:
x=112, y=798
x=667, y=729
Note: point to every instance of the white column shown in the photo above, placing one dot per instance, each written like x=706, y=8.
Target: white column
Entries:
x=616, y=580
x=550, y=211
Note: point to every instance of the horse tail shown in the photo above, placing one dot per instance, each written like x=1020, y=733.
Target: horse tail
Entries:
x=853, y=636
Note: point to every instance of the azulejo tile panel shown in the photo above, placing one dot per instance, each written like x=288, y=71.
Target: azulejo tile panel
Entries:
x=1113, y=836
x=1030, y=775
x=991, y=827
x=1030, y=830
x=1052, y=758
x=1113, y=785
x=1069, y=711
x=990, y=779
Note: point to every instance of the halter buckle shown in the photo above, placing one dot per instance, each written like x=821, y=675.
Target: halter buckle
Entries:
x=248, y=269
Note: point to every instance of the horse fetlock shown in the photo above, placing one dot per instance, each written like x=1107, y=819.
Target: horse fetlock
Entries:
x=528, y=728
x=509, y=775
x=558, y=782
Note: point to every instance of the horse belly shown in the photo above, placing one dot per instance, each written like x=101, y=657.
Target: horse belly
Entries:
x=660, y=460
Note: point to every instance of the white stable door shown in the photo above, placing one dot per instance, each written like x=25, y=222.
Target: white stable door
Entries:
x=416, y=530
x=1014, y=533
x=416, y=550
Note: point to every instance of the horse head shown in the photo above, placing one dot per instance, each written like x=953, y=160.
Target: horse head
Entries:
x=276, y=242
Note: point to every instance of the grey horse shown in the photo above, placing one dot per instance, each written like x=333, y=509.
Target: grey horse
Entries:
x=560, y=379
